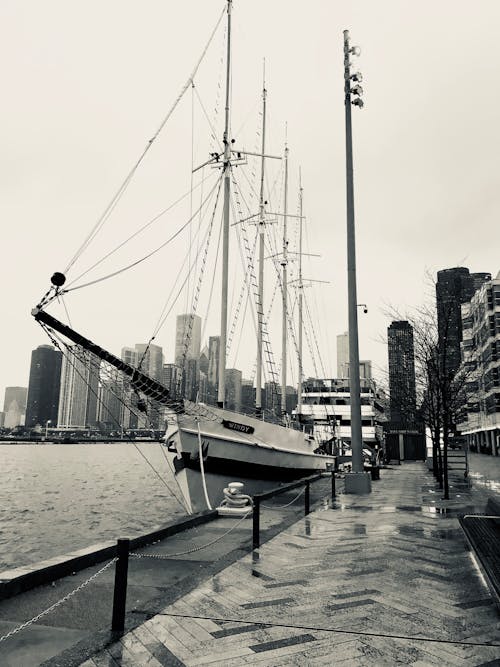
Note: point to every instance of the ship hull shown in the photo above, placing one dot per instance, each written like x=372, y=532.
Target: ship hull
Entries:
x=259, y=454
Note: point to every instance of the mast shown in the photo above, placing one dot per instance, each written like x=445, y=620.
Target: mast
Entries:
x=225, y=228
x=301, y=287
x=285, y=289
x=260, y=309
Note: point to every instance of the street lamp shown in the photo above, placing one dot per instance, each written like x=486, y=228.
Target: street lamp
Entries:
x=357, y=481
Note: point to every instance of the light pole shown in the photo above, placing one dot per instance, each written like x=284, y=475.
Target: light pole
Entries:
x=357, y=481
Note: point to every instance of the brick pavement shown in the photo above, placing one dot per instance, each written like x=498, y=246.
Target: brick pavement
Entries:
x=382, y=579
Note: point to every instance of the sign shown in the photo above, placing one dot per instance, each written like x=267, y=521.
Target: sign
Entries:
x=234, y=426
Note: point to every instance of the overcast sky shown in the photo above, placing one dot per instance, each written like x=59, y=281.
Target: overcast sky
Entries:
x=85, y=86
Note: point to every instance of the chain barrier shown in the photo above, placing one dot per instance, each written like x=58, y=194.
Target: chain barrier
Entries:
x=194, y=549
x=58, y=603
x=280, y=507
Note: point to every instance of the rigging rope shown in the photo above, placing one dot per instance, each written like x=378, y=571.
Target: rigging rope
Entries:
x=115, y=199
x=142, y=259
x=70, y=353
x=196, y=296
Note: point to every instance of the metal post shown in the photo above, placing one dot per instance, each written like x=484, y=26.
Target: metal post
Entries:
x=307, y=499
x=256, y=525
x=120, y=592
x=333, y=485
x=354, y=382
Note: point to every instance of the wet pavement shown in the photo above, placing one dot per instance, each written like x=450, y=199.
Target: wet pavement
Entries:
x=381, y=579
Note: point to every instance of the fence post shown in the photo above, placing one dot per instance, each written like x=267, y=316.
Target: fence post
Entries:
x=333, y=485
x=120, y=592
x=256, y=524
x=306, y=499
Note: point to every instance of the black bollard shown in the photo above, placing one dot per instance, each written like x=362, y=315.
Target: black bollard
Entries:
x=120, y=592
x=256, y=525
x=333, y=485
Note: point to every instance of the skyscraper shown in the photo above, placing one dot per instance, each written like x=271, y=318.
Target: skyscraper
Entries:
x=150, y=359
x=401, y=373
x=233, y=389
x=365, y=366
x=454, y=287
x=213, y=367
x=343, y=355
x=187, y=338
x=14, y=406
x=44, y=386
x=79, y=389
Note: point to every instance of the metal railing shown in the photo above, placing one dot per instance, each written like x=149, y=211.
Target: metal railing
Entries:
x=304, y=482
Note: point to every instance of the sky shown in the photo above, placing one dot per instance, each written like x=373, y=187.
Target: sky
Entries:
x=86, y=86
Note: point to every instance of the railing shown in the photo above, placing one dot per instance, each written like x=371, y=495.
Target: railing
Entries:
x=123, y=552
x=258, y=498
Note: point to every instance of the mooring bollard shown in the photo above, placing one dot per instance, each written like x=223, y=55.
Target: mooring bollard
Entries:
x=307, y=499
x=120, y=592
x=333, y=485
x=256, y=524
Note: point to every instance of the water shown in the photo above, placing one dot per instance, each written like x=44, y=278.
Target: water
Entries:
x=58, y=498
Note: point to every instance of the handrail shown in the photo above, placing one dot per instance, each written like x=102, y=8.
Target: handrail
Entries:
x=304, y=481
x=287, y=487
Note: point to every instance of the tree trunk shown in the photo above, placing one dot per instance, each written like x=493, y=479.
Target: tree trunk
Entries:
x=445, y=455
x=439, y=458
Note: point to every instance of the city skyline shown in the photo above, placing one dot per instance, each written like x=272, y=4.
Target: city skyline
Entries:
x=447, y=159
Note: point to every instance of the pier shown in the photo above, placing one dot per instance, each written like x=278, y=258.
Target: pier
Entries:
x=379, y=579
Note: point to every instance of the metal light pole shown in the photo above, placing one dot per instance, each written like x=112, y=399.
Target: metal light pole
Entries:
x=357, y=481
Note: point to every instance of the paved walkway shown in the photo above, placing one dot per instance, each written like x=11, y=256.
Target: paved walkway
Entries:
x=382, y=579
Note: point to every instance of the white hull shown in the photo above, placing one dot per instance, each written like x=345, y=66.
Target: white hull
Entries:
x=261, y=459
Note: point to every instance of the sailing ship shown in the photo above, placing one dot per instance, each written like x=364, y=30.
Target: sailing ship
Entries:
x=213, y=446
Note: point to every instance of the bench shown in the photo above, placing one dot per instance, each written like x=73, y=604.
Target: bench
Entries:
x=483, y=536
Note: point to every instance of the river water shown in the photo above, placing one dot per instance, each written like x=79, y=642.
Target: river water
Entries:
x=58, y=498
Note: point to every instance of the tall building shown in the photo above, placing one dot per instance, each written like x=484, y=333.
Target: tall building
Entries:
x=14, y=406
x=365, y=366
x=213, y=368
x=204, y=360
x=343, y=355
x=150, y=359
x=187, y=354
x=169, y=378
x=480, y=419
x=187, y=338
x=44, y=386
x=454, y=287
x=110, y=406
x=247, y=397
x=365, y=369
x=233, y=389
x=79, y=390
x=402, y=389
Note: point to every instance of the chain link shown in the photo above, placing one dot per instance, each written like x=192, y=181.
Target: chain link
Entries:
x=194, y=549
x=280, y=507
x=58, y=603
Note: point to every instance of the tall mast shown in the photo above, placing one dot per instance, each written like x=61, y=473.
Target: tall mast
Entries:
x=285, y=289
x=225, y=229
x=260, y=305
x=301, y=288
